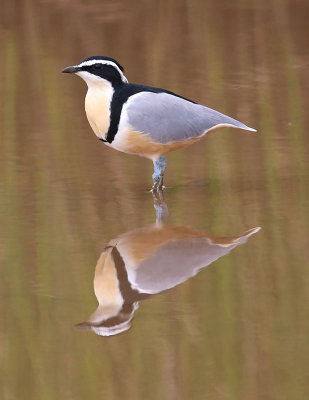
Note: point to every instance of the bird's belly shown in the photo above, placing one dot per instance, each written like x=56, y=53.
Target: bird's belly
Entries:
x=133, y=142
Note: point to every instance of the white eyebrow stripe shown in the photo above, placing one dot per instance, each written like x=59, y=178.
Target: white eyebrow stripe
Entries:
x=106, y=62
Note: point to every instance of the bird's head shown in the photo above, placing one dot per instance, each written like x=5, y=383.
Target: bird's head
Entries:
x=97, y=69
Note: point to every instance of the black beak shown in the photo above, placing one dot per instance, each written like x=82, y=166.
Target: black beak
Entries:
x=69, y=70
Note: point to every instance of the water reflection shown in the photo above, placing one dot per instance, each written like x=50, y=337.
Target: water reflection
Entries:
x=147, y=261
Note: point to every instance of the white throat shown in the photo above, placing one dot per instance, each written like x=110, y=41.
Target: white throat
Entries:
x=94, y=81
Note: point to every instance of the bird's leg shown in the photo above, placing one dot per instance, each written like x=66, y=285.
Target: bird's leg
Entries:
x=156, y=176
x=162, y=165
x=159, y=168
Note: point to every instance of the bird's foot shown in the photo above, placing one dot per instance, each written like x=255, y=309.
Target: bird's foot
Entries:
x=158, y=189
x=157, y=183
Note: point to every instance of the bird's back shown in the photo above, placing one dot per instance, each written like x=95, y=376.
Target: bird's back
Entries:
x=164, y=116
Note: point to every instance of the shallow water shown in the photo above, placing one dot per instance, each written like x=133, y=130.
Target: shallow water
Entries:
x=239, y=328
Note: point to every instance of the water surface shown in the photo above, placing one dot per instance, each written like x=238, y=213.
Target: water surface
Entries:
x=239, y=328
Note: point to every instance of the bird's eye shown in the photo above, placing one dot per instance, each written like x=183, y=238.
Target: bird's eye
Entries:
x=97, y=66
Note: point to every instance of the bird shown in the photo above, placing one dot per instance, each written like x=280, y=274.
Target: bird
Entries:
x=145, y=262
x=143, y=120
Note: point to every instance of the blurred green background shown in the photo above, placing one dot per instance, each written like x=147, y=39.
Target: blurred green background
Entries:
x=238, y=330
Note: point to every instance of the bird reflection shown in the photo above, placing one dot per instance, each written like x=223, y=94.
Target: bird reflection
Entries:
x=147, y=261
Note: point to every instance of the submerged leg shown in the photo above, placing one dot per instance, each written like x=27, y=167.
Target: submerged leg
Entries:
x=159, y=168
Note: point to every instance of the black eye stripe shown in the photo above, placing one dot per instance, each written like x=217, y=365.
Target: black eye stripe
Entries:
x=100, y=66
x=105, y=71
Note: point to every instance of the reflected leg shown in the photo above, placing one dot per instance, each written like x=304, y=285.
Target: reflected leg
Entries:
x=159, y=205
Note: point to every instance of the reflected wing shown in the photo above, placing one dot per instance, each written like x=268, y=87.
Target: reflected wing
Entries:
x=167, y=118
x=178, y=260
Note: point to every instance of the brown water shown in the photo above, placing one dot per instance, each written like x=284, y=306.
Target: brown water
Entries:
x=239, y=328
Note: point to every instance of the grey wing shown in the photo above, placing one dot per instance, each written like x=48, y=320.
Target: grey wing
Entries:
x=168, y=118
x=176, y=261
